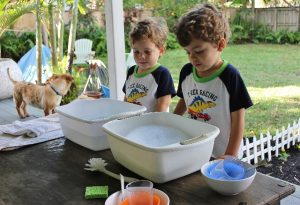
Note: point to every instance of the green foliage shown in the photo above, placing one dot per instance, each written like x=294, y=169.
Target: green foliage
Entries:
x=284, y=36
x=100, y=41
x=298, y=146
x=172, y=41
x=239, y=34
x=127, y=29
x=262, y=34
x=15, y=46
x=11, y=11
x=129, y=4
x=244, y=32
x=283, y=155
x=241, y=3
x=172, y=10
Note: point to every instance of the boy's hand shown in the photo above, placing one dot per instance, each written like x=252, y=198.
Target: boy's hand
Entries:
x=180, y=107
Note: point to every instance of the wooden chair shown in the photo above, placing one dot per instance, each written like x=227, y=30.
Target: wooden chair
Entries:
x=83, y=51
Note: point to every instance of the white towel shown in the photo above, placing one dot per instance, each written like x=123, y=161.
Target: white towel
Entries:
x=14, y=136
x=32, y=128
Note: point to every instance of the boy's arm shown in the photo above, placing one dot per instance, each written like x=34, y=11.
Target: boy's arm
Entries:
x=236, y=133
x=163, y=103
x=180, y=107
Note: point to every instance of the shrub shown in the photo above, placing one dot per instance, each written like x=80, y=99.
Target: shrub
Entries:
x=239, y=34
x=244, y=32
x=14, y=45
x=172, y=41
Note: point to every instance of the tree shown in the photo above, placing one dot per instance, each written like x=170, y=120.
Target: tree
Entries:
x=38, y=42
x=60, y=29
x=72, y=36
x=52, y=33
x=10, y=12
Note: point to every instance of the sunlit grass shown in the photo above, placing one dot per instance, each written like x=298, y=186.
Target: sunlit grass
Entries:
x=275, y=92
x=273, y=108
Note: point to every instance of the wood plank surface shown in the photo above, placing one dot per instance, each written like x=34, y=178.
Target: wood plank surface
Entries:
x=52, y=173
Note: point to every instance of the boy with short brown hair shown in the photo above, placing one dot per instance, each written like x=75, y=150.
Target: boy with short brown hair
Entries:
x=149, y=83
x=211, y=89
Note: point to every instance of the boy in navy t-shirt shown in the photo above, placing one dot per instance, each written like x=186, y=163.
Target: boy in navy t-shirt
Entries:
x=211, y=89
x=149, y=83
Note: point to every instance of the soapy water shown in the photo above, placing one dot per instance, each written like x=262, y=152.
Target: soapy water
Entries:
x=156, y=135
x=229, y=169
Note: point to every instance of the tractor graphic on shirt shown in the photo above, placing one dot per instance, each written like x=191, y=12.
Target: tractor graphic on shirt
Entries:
x=134, y=95
x=196, y=108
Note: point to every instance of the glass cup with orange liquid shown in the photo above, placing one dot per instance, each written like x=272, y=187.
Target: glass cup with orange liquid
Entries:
x=140, y=193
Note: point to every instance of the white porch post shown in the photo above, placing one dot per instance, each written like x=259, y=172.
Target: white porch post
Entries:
x=115, y=47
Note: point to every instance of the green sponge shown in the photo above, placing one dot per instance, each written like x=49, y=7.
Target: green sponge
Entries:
x=92, y=192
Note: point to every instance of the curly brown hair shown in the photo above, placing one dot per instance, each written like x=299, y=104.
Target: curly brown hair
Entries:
x=154, y=29
x=204, y=22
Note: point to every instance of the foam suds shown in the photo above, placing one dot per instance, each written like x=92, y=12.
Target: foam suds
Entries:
x=156, y=135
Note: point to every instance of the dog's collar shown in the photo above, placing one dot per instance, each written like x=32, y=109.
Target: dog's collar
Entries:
x=57, y=93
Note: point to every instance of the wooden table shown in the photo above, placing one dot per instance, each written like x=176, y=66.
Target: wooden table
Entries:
x=52, y=173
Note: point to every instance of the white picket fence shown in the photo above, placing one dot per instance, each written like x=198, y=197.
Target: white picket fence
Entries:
x=265, y=146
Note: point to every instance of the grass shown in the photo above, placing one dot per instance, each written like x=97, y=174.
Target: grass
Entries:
x=272, y=76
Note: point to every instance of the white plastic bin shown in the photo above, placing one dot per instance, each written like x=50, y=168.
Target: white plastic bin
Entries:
x=82, y=119
x=161, y=146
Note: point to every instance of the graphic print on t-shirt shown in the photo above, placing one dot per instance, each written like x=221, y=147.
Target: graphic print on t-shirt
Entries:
x=197, y=107
x=136, y=93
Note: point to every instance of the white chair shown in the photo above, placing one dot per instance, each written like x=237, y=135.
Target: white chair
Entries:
x=83, y=51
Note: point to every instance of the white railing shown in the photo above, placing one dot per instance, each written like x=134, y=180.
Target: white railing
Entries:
x=266, y=146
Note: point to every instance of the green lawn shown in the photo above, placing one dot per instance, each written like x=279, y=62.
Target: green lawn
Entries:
x=272, y=75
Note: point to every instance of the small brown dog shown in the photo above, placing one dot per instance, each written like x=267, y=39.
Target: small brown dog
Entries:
x=46, y=96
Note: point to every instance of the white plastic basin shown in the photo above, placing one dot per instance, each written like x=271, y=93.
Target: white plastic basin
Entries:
x=161, y=146
x=82, y=119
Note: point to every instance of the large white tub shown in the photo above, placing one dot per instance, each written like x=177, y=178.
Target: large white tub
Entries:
x=82, y=120
x=161, y=146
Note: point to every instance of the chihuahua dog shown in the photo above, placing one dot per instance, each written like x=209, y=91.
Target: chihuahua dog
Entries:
x=45, y=96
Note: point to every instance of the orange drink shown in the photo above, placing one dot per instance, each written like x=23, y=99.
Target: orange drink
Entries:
x=156, y=200
x=140, y=192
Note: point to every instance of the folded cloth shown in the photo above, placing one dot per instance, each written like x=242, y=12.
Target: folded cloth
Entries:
x=44, y=128
x=9, y=142
x=32, y=128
